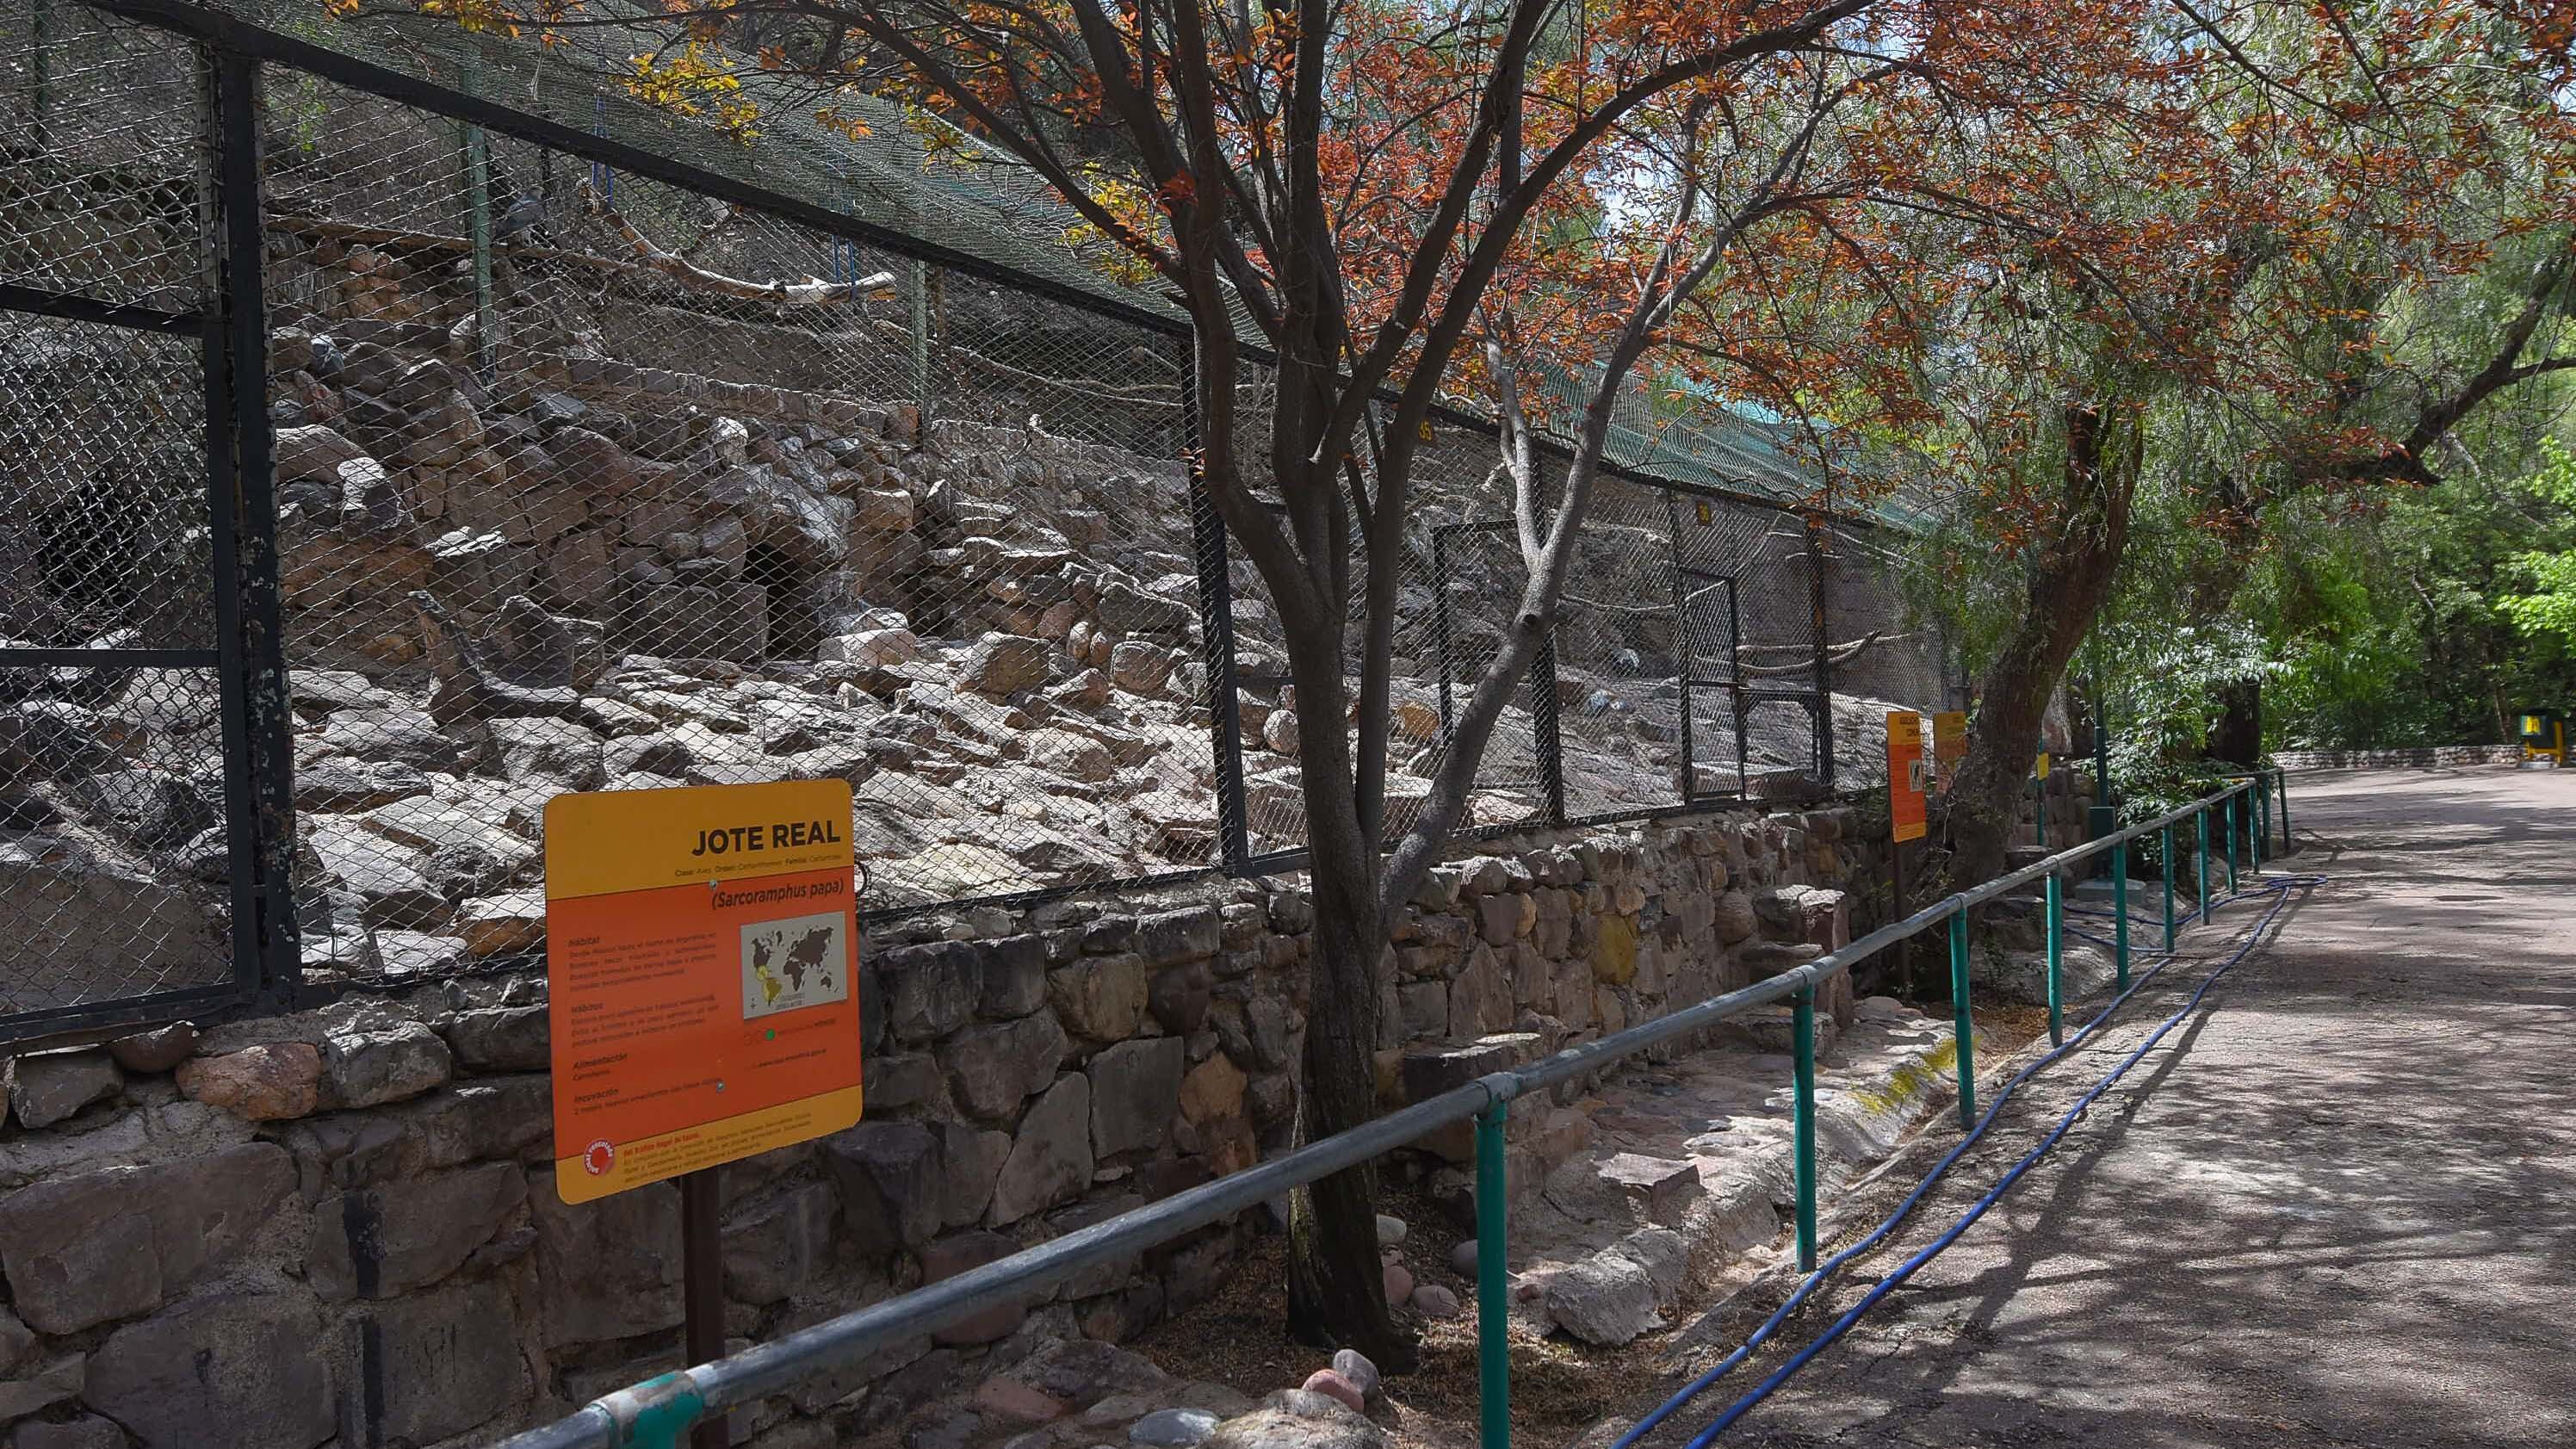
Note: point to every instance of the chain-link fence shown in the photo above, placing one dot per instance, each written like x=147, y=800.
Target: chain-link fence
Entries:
x=385, y=461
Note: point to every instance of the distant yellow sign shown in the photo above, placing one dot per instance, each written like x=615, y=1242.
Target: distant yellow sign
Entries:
x=1949, y=747
x=1905, y=805
x=2040, y=767
x=702, y=949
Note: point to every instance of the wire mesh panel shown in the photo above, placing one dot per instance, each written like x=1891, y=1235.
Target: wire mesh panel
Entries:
x=1622, y=649
x=102, y=191
x=1756, y=722
x=1884, y=650
x=113, y=860
x=1478, y=575
x=591, y=481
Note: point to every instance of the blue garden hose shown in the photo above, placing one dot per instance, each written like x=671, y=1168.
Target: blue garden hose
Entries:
x=2277, y=887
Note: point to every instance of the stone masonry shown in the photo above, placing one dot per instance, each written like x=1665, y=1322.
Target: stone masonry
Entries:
x=340, y=1226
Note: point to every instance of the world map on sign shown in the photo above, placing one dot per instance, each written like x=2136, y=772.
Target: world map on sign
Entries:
x=795, y=963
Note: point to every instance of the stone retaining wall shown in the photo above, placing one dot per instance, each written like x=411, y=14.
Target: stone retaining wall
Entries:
x=340, y=1226
x=2425, y=757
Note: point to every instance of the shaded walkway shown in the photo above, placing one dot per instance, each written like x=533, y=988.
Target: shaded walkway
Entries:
x=2338, y=1208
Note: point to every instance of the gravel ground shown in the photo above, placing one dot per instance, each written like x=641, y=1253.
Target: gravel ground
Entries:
x=2337, y=1207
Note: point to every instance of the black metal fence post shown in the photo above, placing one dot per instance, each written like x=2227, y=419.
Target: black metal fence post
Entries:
x=1216, y=628
x=1817, y=524
x=259, y=747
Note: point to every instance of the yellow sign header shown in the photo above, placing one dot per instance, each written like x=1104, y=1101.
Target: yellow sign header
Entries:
x=633, y=840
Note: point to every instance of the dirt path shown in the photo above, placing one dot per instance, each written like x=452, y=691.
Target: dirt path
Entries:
x=2336, y=1208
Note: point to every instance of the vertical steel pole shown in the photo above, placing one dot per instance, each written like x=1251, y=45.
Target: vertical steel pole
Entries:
x=2039, y=807
x=2120, y=912
x=478, y=227
x=702, y=1286
x=1493, y=1284
x=1817, y=524
x=1803, y=1118
x=259, y=765
x=920, y=290
x=2263, y=825
x=1959, y=1017
x=2169, y=867
x=1216, y=623
x=2200, y=856
x=2056, y=960
x=2284, y=777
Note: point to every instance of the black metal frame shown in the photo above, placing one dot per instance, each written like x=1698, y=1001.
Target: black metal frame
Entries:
x=249, y=653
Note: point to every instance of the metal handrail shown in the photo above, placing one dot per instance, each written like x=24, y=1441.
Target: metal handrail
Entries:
x=658, y=1413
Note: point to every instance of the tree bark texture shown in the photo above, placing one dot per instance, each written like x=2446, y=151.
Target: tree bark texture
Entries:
x=2069, y=577
x=2237, y=738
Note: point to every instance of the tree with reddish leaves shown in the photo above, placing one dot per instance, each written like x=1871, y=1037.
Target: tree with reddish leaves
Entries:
x=2008, y=238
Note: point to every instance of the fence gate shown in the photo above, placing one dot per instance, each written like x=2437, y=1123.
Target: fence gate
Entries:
x=131, y=882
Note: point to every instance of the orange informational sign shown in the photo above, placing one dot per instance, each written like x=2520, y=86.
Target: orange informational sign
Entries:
x=1905, y=774
x=1949, y=747
x=702, y=947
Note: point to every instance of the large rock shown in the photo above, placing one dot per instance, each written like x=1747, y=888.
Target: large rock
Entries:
x=1051, y=1159
x=970, y=1161
x=268, y=1082
x=1014, y=970
x=606, y=1269
x=930, y=990
x=501, y=1039
x=232, y=1371
x=392, y=736
x=154, y=808
x=890, y=1179
x=558, y=752
x=47, y=1088
x=38, y=1389
x=1605, y=1300
x=712, y=620
x=372, y=1054
x=992, y=1069
x=109, y=1244
x=1327, y=1424
x=437, y=1365
x=1103, y=998
x=1126, y=609
x=1135, y=1094
x=389, y=879
x=101, y=932
x=951, y=1256
x=770, y=1252
x=1002, y=664
x=381, y=1244
x=88, y=1431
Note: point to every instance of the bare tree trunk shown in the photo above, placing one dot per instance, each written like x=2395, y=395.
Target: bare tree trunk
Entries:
x=2070, y=577
x=1336, y=1291
x=2238, y=736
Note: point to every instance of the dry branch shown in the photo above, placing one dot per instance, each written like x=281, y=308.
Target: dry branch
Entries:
x=804, y=292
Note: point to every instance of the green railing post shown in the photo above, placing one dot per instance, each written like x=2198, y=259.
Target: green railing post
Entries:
x=2169, y=868
x=1803, y=1117
x=2120, y=911
x=2056, y=960
x=2284, y=777
x=1959, y=1017
x=2039, y=809
x=1493, y=1283
x=2200, y=856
